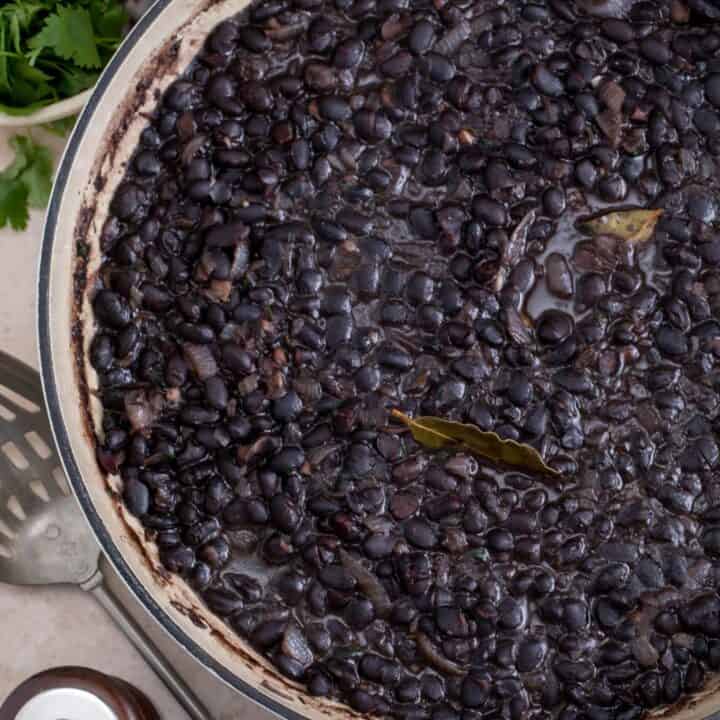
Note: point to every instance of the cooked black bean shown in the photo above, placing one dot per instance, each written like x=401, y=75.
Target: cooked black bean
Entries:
x=554, y=201
x=334, y=107
x=348, y=54
x=112, y=309
x=421, y=37
x=136, y=496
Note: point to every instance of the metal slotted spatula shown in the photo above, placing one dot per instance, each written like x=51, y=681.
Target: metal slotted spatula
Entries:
x=44, y=538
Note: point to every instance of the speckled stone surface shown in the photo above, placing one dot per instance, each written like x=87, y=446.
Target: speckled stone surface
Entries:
x=47, y=627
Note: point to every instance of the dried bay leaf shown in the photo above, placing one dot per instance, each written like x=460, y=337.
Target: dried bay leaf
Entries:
x=633, y=225
x=438, y=434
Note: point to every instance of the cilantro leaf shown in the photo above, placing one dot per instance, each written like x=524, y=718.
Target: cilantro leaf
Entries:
x=69, y=33
x=23, y=149
x=30, y=84
x=13, y=205
x=25, y=183
x=108, y=17
x=22, y=13
x=37, y=177
x=74, y=80
x=4, y=75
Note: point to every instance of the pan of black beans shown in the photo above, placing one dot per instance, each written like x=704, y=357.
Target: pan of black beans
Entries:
x=273, y=245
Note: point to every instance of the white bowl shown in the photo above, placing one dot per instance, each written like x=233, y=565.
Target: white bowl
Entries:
x=55, y=111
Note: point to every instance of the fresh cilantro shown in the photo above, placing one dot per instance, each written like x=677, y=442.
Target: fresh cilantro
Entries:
x=75, y=80
x=69, y=34
x=108, y=18
x=37, y=175
x=13, y=205
x=52, y=49
x=25, y=183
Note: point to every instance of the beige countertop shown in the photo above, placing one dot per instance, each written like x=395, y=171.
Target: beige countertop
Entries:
x=47, y=627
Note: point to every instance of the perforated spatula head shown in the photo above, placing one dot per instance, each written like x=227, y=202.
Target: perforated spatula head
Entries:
x=44, y=539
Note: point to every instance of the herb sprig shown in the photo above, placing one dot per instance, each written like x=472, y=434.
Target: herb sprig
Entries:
x=53, y=49
x=26, y=182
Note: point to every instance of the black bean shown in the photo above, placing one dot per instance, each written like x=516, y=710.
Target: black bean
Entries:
x=372, y=126
x=656, y=50
x=337, y=578
x=102, y=353
x=671, y=342
x=558, y=276
x=112, y=309
x=198, y=415
x=474, y=691
x=531, y=654
x=216, y=393
x=348, y=54
x=202, y=532
x=712, y=88
x=422, y=37
x=397, y=65
x=554, y=201
x=269, y=632
x=546, y=81
x=136, y=496
x=554, y=326
x=437, y=67
x=334, y=107
x=287, y=407
x=490, y=211
x=394, y=359
x=178, y=558
x=254, y=39
x=420, y=533
x=586, y=173
x=223, y=602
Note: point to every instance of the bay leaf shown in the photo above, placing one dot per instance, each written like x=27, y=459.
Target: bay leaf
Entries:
x=439, y=434
x=633, y=225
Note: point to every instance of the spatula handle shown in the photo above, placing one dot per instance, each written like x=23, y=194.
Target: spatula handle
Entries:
x=145, y=646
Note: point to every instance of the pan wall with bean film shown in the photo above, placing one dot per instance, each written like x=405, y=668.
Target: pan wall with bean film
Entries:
x=157, y=50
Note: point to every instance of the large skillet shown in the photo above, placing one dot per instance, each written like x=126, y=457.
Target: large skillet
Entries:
x=157, y=50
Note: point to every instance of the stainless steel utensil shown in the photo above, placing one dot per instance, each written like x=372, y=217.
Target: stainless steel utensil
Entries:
x=44, y=539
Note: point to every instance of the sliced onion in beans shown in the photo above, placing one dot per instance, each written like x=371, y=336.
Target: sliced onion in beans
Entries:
x=220, y=290
x=139, y=409
x=191, y=149
x=241, y=259
x=201, y=360
x=318, y=455
x=295, y=645
x=433, y=655
x=368, y=583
